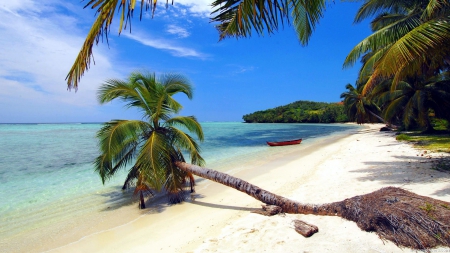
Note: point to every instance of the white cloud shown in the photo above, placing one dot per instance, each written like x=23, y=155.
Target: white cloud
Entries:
x=39, y=40
x=199, y=7
x=14, y=6
x=245, y=69
x=179, y=31
x=37, y=48
x=175, y=50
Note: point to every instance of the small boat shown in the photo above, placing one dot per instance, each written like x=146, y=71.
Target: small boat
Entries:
x=284, y=143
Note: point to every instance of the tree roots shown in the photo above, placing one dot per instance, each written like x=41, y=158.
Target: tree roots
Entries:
x=405, y=218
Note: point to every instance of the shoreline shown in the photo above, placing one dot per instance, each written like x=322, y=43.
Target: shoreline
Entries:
x=218, y=219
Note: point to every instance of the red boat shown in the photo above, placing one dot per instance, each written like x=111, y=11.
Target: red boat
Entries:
x=284, y=143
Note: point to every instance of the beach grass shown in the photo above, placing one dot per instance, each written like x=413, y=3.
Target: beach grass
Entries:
x=436, y=142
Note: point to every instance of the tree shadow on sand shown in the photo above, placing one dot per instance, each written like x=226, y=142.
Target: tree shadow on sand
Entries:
x=194, y=200
x=407, y=170
x=121, y=198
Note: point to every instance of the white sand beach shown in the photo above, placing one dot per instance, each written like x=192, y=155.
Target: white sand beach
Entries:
x=219, y=219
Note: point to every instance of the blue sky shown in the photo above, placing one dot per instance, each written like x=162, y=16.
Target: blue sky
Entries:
x=39, y=40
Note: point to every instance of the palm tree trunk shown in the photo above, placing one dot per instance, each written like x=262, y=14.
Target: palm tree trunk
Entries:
x=287, y=205
x=142, y=201
x=393, y=213
x=384, y=121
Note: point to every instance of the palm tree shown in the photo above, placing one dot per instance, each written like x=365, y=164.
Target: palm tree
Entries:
x=359, y=108
x=153, y=144
x=415, y=98
x=409, y=37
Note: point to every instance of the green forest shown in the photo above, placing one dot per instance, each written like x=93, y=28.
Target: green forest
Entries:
x=300, y=112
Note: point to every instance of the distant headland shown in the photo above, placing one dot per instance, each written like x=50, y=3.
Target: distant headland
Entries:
x=301, y=112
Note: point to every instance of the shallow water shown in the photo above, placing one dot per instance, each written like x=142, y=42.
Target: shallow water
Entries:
x=47, y=169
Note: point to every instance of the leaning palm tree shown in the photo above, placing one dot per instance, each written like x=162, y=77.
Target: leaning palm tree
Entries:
x=153, y=144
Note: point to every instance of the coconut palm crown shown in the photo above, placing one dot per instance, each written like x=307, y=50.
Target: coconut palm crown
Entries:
x=151, y=145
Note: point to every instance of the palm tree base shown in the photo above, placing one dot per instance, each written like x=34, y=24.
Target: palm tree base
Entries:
x=405, y=218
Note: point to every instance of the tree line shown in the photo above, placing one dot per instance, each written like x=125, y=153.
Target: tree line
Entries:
x=300, y=112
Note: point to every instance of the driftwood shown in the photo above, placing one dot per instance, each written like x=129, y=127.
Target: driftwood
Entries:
x=269, y=210
x=305, y=228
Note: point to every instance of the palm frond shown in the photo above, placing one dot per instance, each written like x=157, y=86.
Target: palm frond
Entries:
x=306, y=16
x=384, y=20
x=175, y=180
x=414, y=48
x=118, y=143
x=176, y=83
x=153, y=159
x=382, y=38
x=190, y=123
x=374, y=7
x=105, y=10
x=408, y=111
x=132, y=175
x=237, y=18
x=369, y=64
x=435, y=8
x=394, y=107
x=127, y=91
x=185, y=142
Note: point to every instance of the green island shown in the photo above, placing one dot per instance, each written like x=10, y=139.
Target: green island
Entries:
x=300, y=112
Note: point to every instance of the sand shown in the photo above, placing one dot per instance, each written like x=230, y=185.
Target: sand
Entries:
x=219, y=219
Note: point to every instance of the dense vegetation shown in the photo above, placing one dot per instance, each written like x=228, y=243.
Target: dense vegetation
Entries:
x=405, y=73
x=300, y=112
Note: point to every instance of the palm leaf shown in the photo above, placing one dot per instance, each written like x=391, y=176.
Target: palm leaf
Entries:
x=376, y=7
x=175, y=83
x=382, y=38
x=154, y=158
x=384, y=20
x=409, y=52
x=118, y=142
x=306, y=16
x=105, y=10
x=238, y=18
x=190, y=123
x=435, y=8
x=186, y=142
x=394, y=107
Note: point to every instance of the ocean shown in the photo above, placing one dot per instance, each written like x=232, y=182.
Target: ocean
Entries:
x=47, y=169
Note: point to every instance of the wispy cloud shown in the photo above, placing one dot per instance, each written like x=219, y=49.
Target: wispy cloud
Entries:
x=245, y=69
x=38, y=44
x=167, y=45
x=178, y=31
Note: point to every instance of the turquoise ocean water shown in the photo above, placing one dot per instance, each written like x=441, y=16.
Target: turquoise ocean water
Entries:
x=47, y=169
